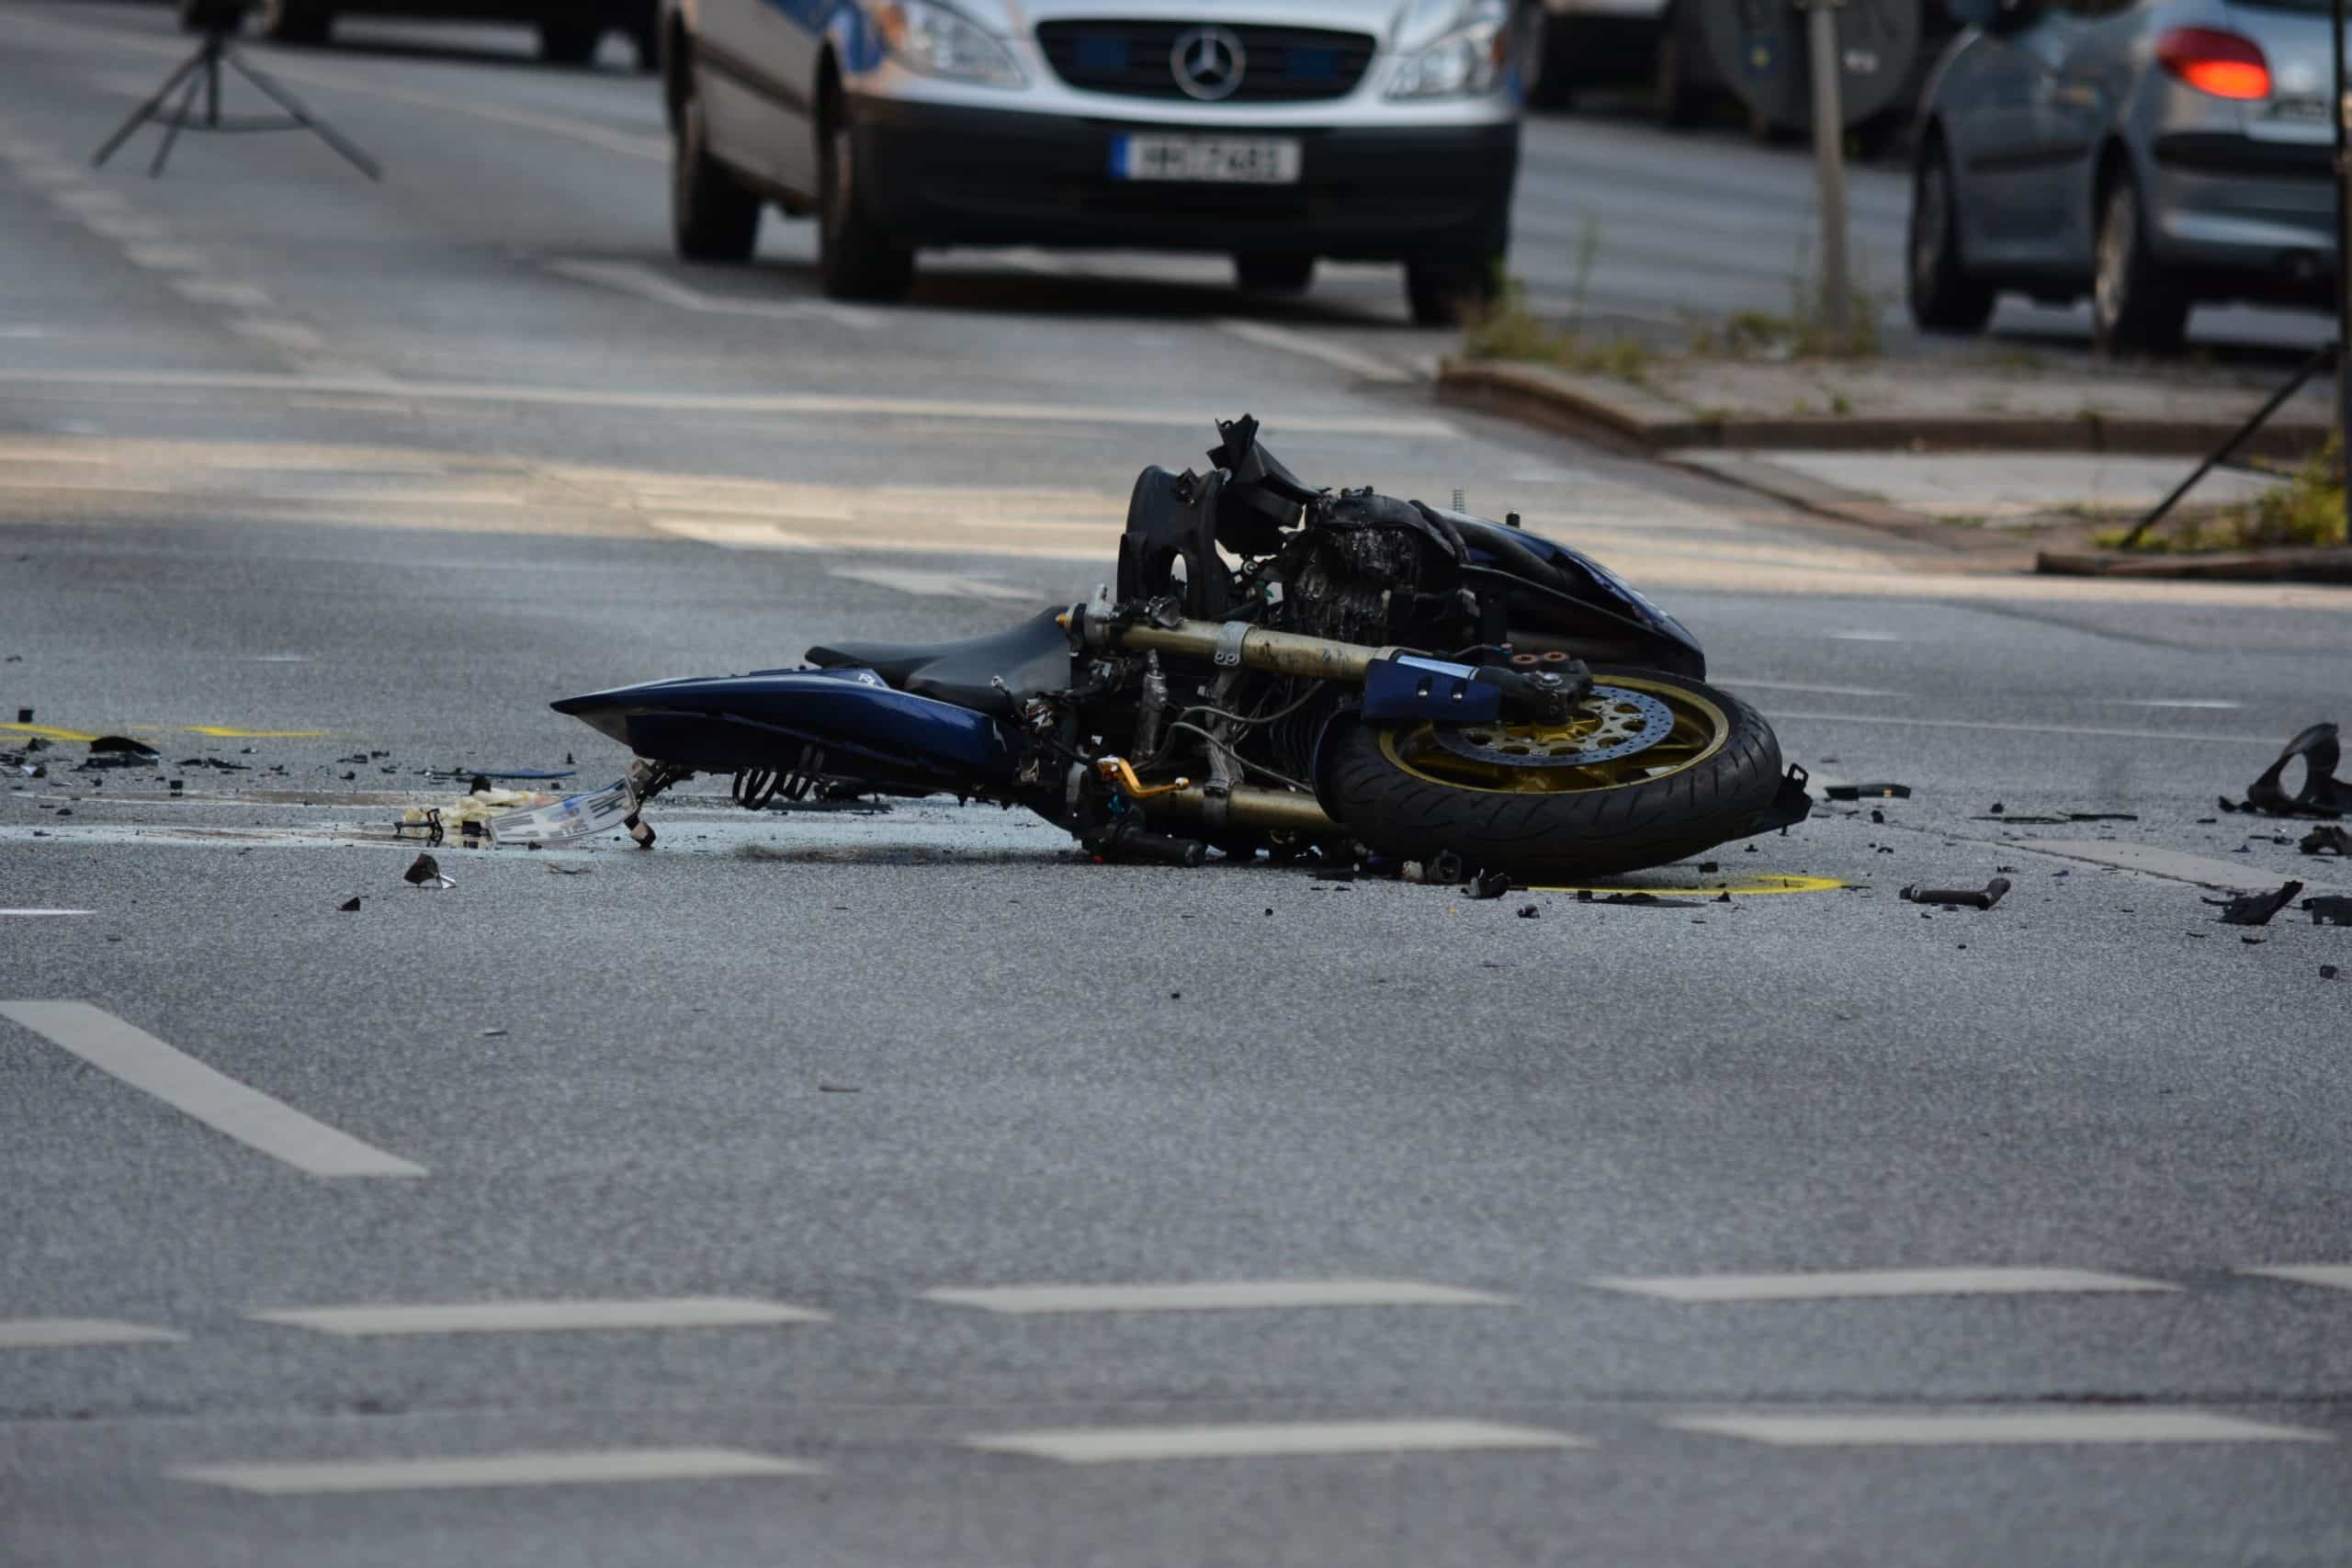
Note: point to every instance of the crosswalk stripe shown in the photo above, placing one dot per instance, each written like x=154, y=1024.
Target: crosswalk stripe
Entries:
x=1212, y=1296
x=1096, y=1445
x=63, y=1333
x=139, y=1059
x=2332, y=1276
x=599, y=1467
x=527, y=1317
x=1945, y=1428
x=1876, y=1282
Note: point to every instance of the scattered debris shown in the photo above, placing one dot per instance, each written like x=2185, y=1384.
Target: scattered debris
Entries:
x=1641, y=901
x=2327, y=971
x=1879, y=817
x=2327, y=840
x=1997, y=809
x=425, y=872
x=836, y=1088
x=1869, y=791
x=216, y=764
x=492, y=1033
x=2333, y=910
x=23, y=715
x=2255, y=909
x=2322, y=795
x=1490, y=884
x=569, y=870
x=1959, y=897
x=349, y=906
x=2102, y=816
x=1996, y=817
x=1530, y=913
x=480, y=777
x=2251, y=941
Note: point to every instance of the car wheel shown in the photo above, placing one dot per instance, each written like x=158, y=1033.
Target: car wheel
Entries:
x=293, y=21
x=1944, y=298
x=1441, y=293
x=856, y=258
x=1263, y=274
x=712, y=217
x=569, y=43
x=1672, y=97
x=2135, y=307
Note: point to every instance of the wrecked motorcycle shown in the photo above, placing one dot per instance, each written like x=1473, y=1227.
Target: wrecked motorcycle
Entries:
x=1282, y=669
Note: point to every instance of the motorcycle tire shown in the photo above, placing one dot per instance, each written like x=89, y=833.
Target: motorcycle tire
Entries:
x=1714, y=778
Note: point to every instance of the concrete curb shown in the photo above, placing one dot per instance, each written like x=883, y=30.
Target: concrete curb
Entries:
x=1623, y=414
x=2332, y=564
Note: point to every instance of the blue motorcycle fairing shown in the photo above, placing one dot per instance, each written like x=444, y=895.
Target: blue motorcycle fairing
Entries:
x=1654, y=637
x=733, y=723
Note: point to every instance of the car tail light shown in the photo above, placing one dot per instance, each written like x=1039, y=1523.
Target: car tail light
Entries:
x=2214, y=62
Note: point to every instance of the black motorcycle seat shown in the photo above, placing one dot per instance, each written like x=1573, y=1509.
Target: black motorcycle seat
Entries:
x=1029, y=659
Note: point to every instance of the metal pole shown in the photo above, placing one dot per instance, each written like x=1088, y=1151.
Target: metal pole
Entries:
x=2342, y=264
x=1830, y=157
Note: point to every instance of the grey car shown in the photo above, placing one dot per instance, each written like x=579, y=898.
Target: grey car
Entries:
x=2155, y=154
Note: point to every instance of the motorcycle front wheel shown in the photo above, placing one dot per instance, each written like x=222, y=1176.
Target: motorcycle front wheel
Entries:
x=1650, y=768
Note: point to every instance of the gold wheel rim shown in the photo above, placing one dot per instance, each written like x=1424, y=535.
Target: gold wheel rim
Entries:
x=1701, y=730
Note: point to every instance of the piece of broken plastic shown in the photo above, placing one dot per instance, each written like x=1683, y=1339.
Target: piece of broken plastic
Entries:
x=574, y=816
x=2255, y=909
x=2322, y=795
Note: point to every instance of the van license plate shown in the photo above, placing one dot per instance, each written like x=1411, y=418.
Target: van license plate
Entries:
x=1218, y=160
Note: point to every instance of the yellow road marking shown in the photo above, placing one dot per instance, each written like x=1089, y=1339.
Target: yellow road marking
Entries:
x=45, y=733
x=224, y=733
x=1747, y=887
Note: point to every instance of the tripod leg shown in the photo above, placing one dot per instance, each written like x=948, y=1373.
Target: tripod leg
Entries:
x=306, y=120
x=2319, y=361
x=145, y=111
x=172, y=126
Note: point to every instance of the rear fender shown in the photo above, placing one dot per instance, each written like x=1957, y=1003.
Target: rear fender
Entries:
x=767, y=719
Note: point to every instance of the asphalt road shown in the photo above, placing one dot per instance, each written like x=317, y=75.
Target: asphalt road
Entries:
x=338, y=483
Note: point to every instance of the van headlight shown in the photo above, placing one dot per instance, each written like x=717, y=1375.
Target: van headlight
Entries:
x=1470, y=59
x=926, y=36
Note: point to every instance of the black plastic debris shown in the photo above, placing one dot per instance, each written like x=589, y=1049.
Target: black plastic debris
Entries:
x=123, y=745
x=1869, y=791
x=479, y=774
x=2327, y=971
x=1983, y=898
x=425, y=872
x=348, y=906
x=23, y=715
x=215, y=764
x=1640, y=900
x=1530, y=913
x=1487, y=885
x=2255, y=909
x=2102, y=816
x=2333, y=910
x=1990, y=817
x=2327, y=840
x=569, y=870
x=2322, y=793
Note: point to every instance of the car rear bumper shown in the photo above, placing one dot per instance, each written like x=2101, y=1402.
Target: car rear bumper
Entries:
x=941, y=175
x=2246, y=219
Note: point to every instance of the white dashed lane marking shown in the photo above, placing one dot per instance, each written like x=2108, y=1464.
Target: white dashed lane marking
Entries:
x=63, y=1333
x=1212, y=1296
x=2329, y=1276
x=1876, y=1282
x=1095, y=1445
x=594, y=1468
x=220, y=1102
x=531, y=1317
x=1944, y=1429
x=165, y=258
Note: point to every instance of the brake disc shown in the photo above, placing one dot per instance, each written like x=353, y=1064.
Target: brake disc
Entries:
x=1610, y=723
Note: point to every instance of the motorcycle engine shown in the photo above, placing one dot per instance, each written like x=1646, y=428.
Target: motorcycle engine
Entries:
x=1370, y=569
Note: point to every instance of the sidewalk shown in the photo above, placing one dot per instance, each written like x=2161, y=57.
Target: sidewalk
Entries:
x=1980, y=454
